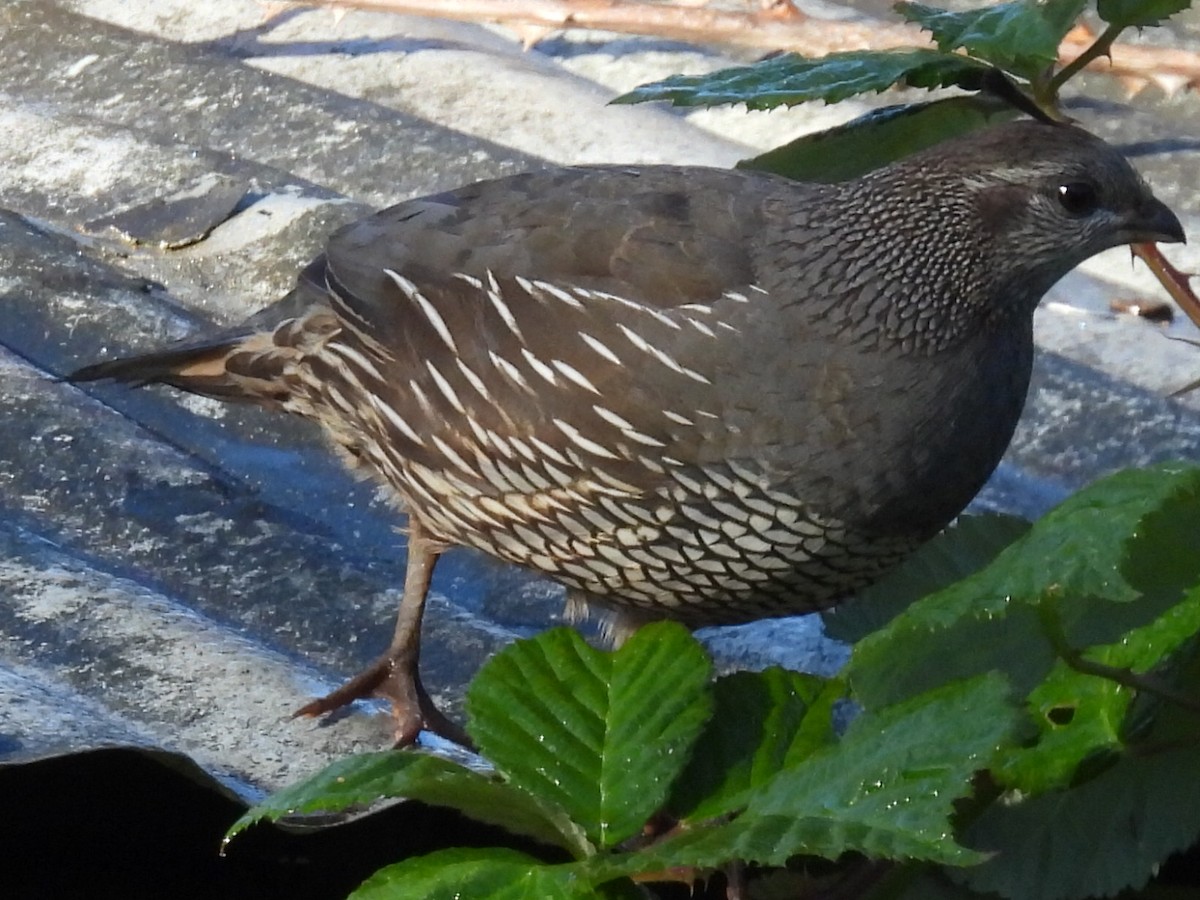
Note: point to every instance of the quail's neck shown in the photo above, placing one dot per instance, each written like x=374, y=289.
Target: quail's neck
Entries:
x=913, y=273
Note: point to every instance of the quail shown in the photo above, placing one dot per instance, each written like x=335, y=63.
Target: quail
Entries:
x=697, y=394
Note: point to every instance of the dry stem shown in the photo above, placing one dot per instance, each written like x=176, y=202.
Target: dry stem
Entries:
x=774, y=26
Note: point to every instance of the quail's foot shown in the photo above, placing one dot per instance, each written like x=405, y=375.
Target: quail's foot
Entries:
x=397, y=680
x=395, y=676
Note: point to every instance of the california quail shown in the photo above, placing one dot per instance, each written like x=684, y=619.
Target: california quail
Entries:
x=686, y=393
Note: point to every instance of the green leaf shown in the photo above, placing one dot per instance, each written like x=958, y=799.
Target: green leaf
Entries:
x=1160, y=558
x=495, y=873
x=902, y=768
x=790, y=79
x=367, y=778
x=886, y=790
x=1079, y=716
x=1021, y=37
x=1075, y=561
x=964, y=548
x=600, y=735
x=1139, y=13
x=760, y=721
x=1096, y=838
x=880, y=137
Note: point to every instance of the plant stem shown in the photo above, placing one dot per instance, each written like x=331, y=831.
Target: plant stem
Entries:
x=1100, y=47
x=1122, y=676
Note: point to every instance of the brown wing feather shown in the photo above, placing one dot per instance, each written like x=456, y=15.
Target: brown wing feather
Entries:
x=634, y=245
x=646, y=234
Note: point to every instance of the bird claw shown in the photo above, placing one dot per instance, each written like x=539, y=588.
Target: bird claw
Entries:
x=398, y=682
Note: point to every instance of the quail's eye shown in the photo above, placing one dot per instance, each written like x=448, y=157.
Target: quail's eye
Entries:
x=1078, y=198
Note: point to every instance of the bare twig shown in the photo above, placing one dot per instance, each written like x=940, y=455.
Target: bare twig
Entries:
x=1169, y=68
x=1100, y=47
x=773, y=26
x=1177, y=283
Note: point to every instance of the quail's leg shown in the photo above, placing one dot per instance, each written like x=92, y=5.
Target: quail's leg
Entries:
x=395, y=676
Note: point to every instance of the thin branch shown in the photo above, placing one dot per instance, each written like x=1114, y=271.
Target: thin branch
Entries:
x=778, y=26
x=771, y=28
x=1177, y=283
x=1074, y=658
x=1101, y=46
x=1169, y=68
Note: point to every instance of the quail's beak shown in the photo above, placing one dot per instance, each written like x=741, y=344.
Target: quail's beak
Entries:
x=1154, y=222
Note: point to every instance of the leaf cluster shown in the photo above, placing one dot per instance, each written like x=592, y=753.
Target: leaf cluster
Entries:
x=1015, y=725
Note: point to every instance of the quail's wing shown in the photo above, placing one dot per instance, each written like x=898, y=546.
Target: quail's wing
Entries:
x=548, y=328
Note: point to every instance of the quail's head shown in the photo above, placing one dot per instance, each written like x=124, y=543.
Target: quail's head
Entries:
x=1051, y=196
x=979, y=228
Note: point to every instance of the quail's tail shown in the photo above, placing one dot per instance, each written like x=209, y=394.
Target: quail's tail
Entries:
x=196, y=367
x=242, y=363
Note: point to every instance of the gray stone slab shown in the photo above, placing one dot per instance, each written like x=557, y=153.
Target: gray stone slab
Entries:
x=244, y=520
x=132, y=666
x=1080, y=424
x=183, y=95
